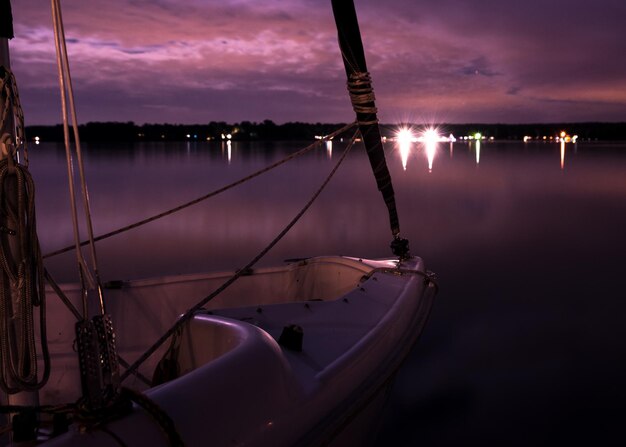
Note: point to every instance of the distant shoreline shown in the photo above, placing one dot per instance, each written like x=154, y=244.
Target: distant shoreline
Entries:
x=268, y=130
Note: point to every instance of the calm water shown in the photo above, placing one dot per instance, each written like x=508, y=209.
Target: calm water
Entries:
x=525, y=345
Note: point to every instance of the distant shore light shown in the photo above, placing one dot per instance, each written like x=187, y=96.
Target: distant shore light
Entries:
x=431, y=136
x=405, y=136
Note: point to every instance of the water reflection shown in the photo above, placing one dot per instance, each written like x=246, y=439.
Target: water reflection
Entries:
x=130, y=183
x=463, y=222
x=562, y=154
x=431, y=149
x=329, y=149
x=428, y=140
x=405, y=138
x=405, y=149
x=429, y=146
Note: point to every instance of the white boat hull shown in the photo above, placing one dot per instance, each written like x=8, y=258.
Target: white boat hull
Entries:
x=237, y=385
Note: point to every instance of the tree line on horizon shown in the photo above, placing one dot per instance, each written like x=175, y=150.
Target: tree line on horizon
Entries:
x=268, y=130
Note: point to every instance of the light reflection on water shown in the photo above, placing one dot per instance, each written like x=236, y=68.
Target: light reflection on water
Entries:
x=477, y=149
x=529, y=250
x=405, y=149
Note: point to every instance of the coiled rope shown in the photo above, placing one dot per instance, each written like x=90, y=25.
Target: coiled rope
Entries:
x=21, y=278
x=190, y=313
x=21, y=268
x=12, y=117
x=208, y=195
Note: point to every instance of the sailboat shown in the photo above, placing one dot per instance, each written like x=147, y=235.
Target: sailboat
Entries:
x=299, y=354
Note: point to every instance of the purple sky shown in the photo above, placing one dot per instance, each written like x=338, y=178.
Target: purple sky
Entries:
x=194, y=61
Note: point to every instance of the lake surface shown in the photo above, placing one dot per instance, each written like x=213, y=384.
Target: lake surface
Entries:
x=525, y=344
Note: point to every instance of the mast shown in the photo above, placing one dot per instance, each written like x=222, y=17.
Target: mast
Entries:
x=6, y=20
x=6, y=33
x=363, y=103
x=21, y=284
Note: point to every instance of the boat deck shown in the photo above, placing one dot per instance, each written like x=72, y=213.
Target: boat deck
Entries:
x=330, y=329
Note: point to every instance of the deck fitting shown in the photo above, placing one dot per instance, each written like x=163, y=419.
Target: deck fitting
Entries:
x=291, y=337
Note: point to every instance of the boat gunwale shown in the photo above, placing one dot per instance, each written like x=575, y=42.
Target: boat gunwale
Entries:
x=365, y=265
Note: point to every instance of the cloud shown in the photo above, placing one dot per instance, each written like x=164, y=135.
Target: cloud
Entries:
x=455, y=60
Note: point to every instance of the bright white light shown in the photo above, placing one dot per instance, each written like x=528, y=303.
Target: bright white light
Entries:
x=405, y=136
x=431, y=136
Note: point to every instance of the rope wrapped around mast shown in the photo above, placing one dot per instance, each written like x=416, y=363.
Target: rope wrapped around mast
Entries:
x=362, y=96
x=363, y=102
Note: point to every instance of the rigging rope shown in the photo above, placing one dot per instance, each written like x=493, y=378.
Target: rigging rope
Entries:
x=208, y=195
x=77, y=314
x=164, y=421
x=95, y=337
x=67, y=97
x=190, y=313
